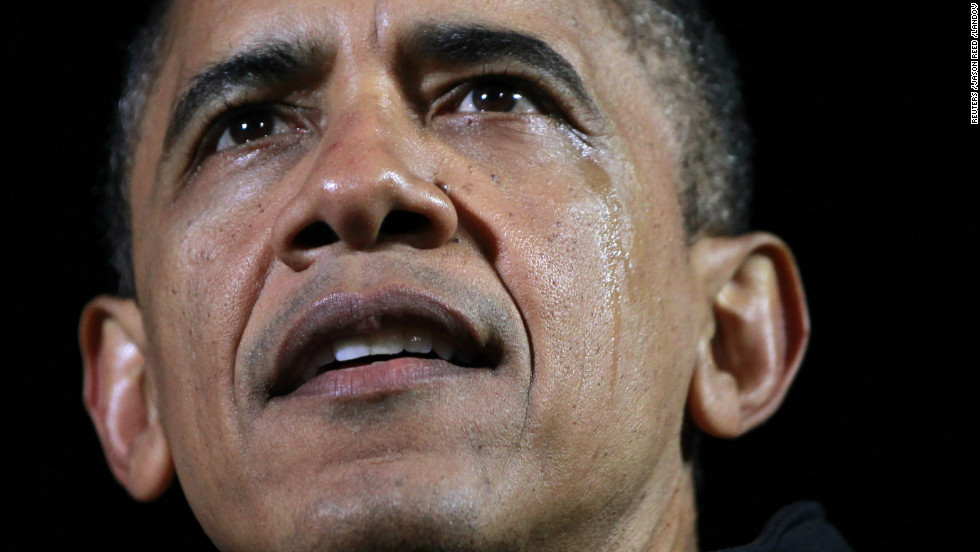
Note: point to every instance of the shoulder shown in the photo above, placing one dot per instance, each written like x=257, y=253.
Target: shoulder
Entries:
x=799, y=527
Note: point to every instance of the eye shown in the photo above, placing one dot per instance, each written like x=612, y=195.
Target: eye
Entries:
x=497, y=96
x=248, y=126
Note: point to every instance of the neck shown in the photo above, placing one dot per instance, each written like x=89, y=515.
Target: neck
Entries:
x=665, y=520
x=676, y=520
x=677, y=528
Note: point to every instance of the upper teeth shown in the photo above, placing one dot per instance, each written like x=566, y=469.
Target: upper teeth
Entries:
x=383, y=342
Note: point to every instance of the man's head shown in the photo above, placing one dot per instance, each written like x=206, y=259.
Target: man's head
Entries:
x=689, y=66
x=316, y=185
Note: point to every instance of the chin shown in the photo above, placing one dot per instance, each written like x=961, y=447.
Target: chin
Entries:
x=395, y=515
x=410, y=502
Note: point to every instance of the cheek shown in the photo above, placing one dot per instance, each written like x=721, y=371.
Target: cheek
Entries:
x=603, y=306
x=560, y=242
x=198, y=278
x=215, y=243
x=558, y=231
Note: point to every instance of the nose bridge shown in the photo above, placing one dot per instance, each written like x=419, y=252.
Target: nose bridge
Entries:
x=367, y=139
x=369, y=182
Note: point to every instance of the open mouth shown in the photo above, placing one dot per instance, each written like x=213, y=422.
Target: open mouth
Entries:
x=361, y=345
x=386, y=344
x=432, y=341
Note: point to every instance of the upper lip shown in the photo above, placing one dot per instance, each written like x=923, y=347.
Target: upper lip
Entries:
x=343, y=314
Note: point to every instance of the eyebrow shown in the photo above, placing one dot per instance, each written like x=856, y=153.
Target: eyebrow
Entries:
x=467, y=44
x=260, y=67
x=277, y=63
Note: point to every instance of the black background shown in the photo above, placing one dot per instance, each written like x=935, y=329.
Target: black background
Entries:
x=865, y=164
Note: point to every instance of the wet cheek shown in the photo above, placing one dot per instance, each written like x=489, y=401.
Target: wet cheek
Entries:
x=563, y=262
x=567, y=250
x=560, y=228
x=510, y=142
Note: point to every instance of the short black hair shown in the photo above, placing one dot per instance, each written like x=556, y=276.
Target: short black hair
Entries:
x=694, y=72
x=144, y=58
x=698, y=88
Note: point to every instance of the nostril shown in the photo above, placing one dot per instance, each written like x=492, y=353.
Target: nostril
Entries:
x=404, y=222
x=317, y=234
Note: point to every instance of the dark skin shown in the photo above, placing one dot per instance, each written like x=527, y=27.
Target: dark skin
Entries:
x=519, y=205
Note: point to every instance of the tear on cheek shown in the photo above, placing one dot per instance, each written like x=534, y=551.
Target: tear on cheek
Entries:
x=512, y=141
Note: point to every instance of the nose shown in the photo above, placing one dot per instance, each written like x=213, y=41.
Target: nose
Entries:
x=364, y=189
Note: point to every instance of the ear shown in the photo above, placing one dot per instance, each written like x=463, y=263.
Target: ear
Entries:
x=754, y=333
x=118, y=397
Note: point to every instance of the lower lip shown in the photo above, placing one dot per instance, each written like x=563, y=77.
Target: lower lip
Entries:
x=379, y=379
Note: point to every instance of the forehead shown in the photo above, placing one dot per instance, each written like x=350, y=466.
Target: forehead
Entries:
x=204, y=31
x=213, y=26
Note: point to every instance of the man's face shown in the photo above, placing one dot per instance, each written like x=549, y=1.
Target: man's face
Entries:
x=359, y=174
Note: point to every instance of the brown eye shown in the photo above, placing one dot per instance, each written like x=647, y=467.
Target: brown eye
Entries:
x=493, y=97
x=500, y=97
x=249, y=126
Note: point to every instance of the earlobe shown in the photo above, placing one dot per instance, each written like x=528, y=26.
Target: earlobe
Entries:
x=756, y=329
x=117, y=398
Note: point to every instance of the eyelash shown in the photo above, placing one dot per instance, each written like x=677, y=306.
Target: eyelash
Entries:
x=448, y=99
x=221, y=123
x=533, y=91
